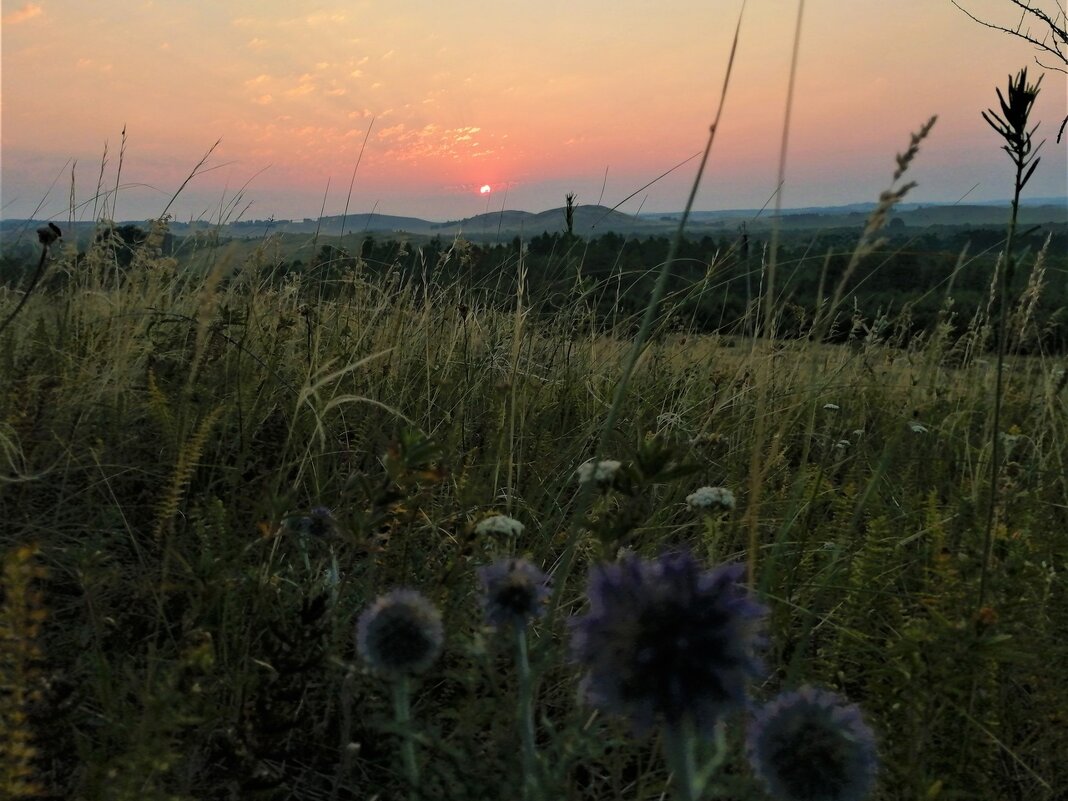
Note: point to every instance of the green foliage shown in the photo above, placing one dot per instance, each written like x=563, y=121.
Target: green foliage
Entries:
x=22, y=611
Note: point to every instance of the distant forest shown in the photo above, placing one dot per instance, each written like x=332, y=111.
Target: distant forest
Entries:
x=716, y=283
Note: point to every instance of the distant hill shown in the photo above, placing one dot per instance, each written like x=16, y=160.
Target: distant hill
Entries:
x=593, y=220
x=587, y=220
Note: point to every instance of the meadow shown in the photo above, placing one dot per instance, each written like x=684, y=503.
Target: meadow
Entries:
x=211, y=469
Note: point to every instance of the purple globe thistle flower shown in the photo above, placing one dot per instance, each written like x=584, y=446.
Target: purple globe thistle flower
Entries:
x=514, y=592
x=812, y=745
x=665, y=639
x=320, y=523
x=400, y=633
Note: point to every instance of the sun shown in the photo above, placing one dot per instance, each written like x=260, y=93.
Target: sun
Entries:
x=486, y=189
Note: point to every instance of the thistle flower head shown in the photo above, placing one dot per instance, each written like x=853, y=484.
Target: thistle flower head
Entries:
x=500, y=525
x=514, y=592
x=711, y=498
x=812, y=745
x=319, y=523
x=665, y=639
x=400, y=633
x=602, y=472
x=47, y=234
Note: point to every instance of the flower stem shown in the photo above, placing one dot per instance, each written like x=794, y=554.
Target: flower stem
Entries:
x=526, y=715
x=679, y=753
x=719, y=756
x=402, y=713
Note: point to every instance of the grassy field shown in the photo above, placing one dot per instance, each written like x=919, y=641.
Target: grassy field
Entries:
x=178, y=623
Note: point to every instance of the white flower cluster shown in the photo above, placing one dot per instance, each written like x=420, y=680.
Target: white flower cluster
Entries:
x=719, y=498
x=501, y=525
x=602, y=472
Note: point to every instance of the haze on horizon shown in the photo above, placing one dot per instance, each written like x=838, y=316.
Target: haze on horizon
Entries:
x=596, y=98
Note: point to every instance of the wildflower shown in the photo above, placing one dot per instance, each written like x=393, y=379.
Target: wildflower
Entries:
x=812, y=745
x=664, y=639
x=501, y=525
x=711, y=498
x=603, y=472
x=831, y=407
x=842, y=444
x=514, y=591
x=400, y=633
x=47, y=234
x=319, y=523
x=917, y=428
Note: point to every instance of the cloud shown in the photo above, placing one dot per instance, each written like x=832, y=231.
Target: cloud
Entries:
x=91, y=64
x=321, y=18
x=392, y=131
x=431, y=141
x=27, y=12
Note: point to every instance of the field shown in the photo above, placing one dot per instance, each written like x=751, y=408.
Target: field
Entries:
x=211, y=468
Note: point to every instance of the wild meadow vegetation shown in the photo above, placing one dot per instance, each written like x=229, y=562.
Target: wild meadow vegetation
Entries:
x=379, y=530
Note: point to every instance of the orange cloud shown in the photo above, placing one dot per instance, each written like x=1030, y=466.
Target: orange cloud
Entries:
x=28, y=11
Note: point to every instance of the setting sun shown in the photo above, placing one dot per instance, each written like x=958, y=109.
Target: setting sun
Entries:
x=486, y=189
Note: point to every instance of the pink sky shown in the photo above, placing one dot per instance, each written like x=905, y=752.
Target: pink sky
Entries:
x=534, y=99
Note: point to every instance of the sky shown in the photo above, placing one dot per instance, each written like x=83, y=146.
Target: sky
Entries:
x=531, y=99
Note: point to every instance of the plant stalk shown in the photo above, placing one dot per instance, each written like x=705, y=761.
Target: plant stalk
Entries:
x=679, y=754
x=402, y=713
x=526, y=716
